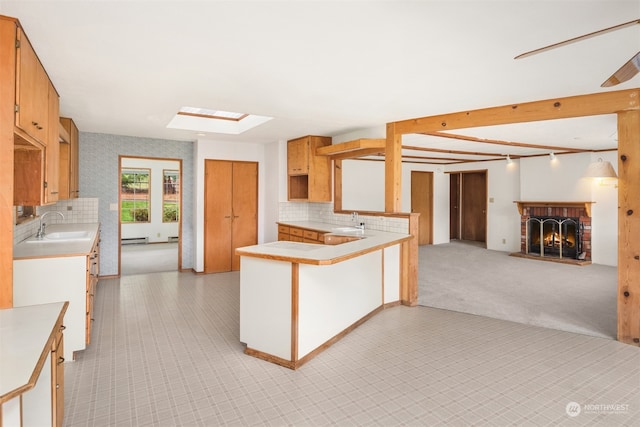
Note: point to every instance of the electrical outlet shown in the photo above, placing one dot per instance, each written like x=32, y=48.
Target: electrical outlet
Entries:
x=158, y=235
x=69, y=208
x=504, y=241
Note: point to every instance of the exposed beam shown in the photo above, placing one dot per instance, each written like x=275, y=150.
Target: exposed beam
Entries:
x=499, y=142
x=629, y=227
x=551, y=109
x=439, y=150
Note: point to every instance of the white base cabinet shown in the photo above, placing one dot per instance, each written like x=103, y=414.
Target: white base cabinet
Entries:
x=46, y=280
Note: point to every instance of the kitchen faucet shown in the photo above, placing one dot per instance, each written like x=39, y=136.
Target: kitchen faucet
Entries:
x=40, y=232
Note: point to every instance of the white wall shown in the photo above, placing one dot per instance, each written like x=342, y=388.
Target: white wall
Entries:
x=217, y=150
x=155, y=229
x=533, y=178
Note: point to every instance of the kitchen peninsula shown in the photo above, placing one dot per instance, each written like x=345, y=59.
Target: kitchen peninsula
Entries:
x=296, y=299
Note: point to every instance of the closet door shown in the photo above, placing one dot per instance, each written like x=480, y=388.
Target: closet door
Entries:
x=217, y=215
x=244, y=224
x=231, y=206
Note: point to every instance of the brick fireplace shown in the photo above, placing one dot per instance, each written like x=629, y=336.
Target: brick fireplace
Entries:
x=555, y=231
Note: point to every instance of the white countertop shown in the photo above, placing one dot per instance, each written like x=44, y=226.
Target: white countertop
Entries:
x=26, y=249
x=24, y=334
x=310, y=253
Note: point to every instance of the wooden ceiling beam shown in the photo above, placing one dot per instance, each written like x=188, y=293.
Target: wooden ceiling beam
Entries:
x=439, y=150
x=551, y=109
x=499, y=142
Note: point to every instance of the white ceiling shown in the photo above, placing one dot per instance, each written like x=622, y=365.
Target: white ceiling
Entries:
x=327, y=68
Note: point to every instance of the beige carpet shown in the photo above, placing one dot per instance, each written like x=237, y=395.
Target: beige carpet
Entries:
x=467, y=278
x=149, y=258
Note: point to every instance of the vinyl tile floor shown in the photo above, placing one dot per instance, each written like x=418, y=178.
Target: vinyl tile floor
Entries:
x=165, y=351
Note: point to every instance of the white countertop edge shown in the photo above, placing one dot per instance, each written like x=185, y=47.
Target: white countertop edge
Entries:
x=25, y=250
x=24, y=333
x=318, y=253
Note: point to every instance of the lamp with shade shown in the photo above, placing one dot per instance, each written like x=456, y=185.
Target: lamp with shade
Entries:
x=600, y=169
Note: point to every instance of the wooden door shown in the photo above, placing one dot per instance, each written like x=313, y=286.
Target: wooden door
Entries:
x=231, y=201
x=454, y=206
x=217, y=215
x=422, y=203
x=244, y=224
x=474, y=206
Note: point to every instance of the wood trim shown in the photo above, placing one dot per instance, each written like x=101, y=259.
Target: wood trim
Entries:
x=295, y=297
x=337, y=185
x=522, y=204
x=211, y=116
x=331, y=261
x=499, y=142
x=409, y=265
x=270, y=358
x=550, y=109
x=629, y=227
x=393, y=170
x=8, y=28
x=352, y=149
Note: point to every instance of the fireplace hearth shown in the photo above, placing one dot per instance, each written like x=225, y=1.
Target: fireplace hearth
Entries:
x=556, y=231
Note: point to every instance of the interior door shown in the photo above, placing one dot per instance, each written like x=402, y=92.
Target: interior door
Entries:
x=217, y=215
x=244, y=225
x=474, y=206
x=231, y=202
x=454, y=206
x=422, y=203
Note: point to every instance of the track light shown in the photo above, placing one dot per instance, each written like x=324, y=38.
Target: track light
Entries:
x=552, y=155
x=509, y=161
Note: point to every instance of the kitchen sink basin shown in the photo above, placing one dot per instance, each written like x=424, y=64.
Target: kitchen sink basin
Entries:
x=346, y=230
x=62, y=236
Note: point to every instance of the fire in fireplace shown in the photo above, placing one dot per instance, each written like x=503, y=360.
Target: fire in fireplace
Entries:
x=553, y=236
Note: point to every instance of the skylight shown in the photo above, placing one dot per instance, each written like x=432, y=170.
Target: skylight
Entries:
x=215, y=121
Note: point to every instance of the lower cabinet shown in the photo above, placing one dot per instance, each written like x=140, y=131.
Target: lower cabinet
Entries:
x=296, y=234
x=64, y=278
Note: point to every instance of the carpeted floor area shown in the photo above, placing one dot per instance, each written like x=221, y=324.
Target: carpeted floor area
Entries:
x=467, y=278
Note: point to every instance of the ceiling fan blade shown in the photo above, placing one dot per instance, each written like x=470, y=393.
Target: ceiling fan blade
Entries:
x=575, y=39
x=624, y=73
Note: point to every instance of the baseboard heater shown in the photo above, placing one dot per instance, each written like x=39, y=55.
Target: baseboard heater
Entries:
x=135, y=241
x=172, y=239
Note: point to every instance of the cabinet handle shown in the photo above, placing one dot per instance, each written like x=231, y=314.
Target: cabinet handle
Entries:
x=34, y=123
x=227, y=216
x=60, y=360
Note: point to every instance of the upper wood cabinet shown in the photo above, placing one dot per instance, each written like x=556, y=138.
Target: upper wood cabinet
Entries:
x=69, y=182
x=32, y=92
x=309, y=175
x=52, y=150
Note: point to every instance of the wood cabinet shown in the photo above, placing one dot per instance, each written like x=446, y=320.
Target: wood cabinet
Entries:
x=309, y=175
x=93, y=271
x=52, y=150
x=68, y=180
x=36, y=128
x=57, y=376
x=32, y=92
x=297, y=234
x=231, y=212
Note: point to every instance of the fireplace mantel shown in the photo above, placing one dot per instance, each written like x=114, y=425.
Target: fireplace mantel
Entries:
x=586, y=205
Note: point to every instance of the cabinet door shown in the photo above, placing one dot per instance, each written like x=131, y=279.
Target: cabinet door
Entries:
x=298, y=156
x=52, y=151
x=31, y=92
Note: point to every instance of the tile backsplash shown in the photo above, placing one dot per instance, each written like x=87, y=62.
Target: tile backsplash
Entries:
x=75, y=211
x=323, y=212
